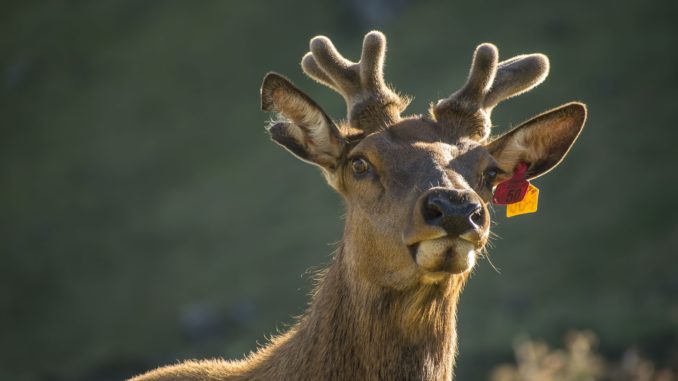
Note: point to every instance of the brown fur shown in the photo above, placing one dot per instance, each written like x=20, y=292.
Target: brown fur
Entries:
x=385, y=309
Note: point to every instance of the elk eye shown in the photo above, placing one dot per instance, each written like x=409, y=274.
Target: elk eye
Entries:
x=490, y=175
x=359, y=166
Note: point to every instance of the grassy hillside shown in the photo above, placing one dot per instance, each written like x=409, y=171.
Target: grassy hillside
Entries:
x=145, y=217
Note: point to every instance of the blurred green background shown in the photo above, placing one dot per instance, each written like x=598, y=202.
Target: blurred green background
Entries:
x=145, y=216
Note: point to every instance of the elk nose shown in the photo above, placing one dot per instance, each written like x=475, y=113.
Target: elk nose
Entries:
x=453, y=211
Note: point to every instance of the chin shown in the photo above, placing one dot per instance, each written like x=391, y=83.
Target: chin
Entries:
x=441, y=257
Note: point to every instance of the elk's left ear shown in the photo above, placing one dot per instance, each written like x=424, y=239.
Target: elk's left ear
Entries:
x=306, y=130
x=542, y=142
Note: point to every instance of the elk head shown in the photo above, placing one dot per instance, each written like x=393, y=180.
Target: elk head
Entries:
x=416, y=188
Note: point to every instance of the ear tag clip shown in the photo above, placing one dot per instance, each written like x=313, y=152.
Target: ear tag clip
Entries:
x=519, y=196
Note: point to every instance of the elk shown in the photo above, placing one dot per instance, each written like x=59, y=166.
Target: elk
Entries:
x=416, y=191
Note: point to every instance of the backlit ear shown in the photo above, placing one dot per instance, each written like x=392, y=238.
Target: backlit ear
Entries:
x=305, y=130
x=541, y=142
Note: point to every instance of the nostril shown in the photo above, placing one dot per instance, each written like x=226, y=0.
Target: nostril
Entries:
x=432, y=211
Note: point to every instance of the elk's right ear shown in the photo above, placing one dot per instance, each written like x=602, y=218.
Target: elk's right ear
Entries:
x=306, y=130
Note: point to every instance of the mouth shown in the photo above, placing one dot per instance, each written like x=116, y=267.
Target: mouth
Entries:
x=446, y=255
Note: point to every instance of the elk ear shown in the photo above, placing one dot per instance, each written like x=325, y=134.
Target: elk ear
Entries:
x=305, y=130
x=542, y=142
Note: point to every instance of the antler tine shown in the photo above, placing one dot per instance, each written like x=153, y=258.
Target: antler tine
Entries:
x=340, y=70
x=488, y=84
x=516, y=76
x=371, y=103
x=311, y=68
x=482, y=73
x=372, y=61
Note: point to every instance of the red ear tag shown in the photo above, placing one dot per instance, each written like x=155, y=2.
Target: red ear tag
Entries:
x=514, y=189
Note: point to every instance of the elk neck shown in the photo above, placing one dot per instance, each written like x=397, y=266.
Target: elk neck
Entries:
x=358, y=329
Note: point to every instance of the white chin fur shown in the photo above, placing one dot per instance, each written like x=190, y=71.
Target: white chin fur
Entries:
x=446, y=255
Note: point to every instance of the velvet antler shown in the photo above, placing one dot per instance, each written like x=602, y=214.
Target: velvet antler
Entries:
x=371, y=103
x=488, y=84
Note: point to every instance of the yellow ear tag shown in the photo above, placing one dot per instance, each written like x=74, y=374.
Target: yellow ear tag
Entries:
x=527, y=205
